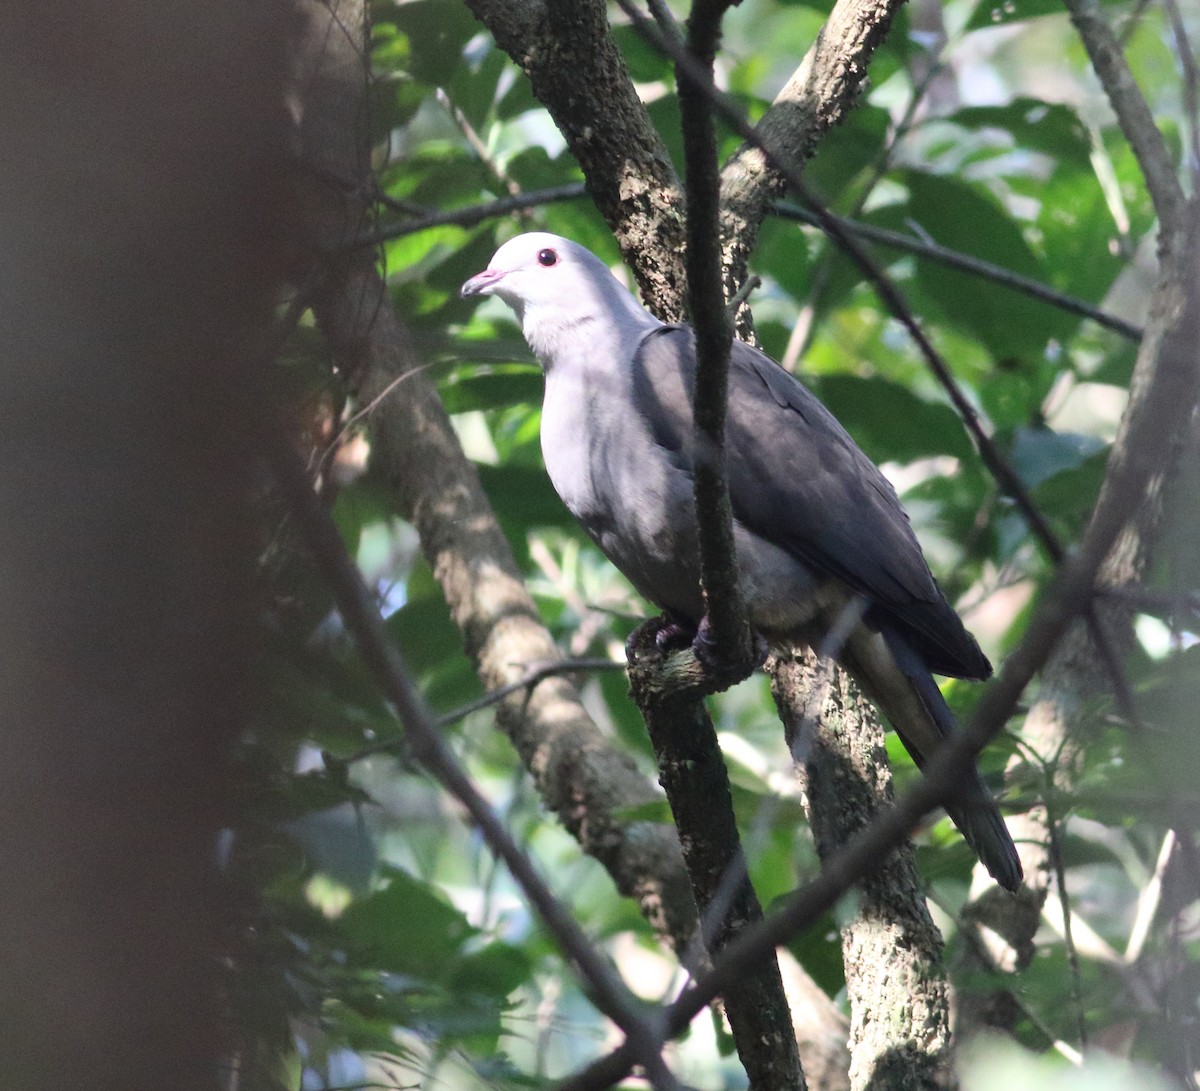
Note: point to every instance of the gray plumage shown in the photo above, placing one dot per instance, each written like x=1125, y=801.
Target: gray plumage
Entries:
x=816, y=524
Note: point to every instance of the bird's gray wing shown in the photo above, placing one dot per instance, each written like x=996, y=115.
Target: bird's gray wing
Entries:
x=799, y=481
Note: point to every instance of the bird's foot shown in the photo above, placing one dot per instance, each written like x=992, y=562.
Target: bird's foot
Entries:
x=659, y=635
x=674, y=636
x=710, y=655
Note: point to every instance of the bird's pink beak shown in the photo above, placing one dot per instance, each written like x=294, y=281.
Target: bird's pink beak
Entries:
x=482, y=283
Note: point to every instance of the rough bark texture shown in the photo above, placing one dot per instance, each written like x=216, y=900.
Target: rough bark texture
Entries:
x=578, y=773
x=899, y=1014
x=142, y=229
x=692, y=771
x=579, y=75
x=724, y=609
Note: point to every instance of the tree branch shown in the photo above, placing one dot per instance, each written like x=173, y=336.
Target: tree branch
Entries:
x=1133, y=115
x=1071, y=677
x=691, y=767
x=531, y=678
x=967, y=263
x=693, y=774
x=788, y=172
x=891, y=948
x=469, y=216
x=725, y=611
x=579, y=774
x=586, y=780
x=425, y=219
x=891, y=296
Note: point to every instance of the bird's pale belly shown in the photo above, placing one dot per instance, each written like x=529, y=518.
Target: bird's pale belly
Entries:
x=648, y=530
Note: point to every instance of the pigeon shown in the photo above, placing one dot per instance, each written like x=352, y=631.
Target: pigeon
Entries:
x=821, y=540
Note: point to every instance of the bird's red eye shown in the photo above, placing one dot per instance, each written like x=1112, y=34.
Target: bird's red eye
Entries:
x=547, y=257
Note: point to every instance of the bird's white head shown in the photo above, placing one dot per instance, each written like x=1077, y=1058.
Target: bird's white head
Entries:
x=563, y=295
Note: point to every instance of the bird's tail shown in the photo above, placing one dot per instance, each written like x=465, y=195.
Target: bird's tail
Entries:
x=917, y=710
x=972, y=810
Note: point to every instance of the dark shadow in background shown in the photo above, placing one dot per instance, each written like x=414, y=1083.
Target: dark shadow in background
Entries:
x=143, y=166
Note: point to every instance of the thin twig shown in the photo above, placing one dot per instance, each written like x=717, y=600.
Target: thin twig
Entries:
x=749, y=286
x=476, y=142
x=425, y=219
x=1191, y=85
x=1133, y=113
x=1149, y=901
x=470, y=215
x=802, y=330
x=887, y=291
x=1064, y=901
x=537, y=673
x=892, y=826
x=344, y=432
x=724, y=606
x=360, y=615
x=967, y=263
x=1157, y=601
x=693, y=773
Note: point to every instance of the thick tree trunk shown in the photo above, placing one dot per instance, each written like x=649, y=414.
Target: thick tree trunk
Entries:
x=899, y=1009
x=143, y=178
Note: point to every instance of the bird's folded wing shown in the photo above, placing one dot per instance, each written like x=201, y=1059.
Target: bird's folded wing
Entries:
x=798, y=480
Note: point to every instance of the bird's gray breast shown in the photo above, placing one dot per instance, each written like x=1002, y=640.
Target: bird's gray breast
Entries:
x=632, y=498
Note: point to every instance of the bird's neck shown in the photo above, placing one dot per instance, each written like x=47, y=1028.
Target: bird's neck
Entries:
x=587, y=329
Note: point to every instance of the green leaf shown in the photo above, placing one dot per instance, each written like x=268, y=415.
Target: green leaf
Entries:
x=364, y=502
x=967, y=218
x=408, y=927
x=783, y=255
x=533, y=169
x=1079, y=236
x=432, y=648
x=338, y=842
x=495, y=971
x=519, y=99
x=473, y=87
x=891, y=422
x=1038, y=454
x=845, y=151
x=524, y=500
x=518, y=384
x=657, y=811
x=392, y=103
x=664, y=112
x=437, y=32
x=646, y=64
x=1051, y=128
x=818, y=948
x=996, y=13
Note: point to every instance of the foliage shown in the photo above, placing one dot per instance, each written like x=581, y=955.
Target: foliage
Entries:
x=384, y=946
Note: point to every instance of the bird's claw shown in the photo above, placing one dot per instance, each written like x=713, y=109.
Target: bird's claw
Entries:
x=706, y=650
x=673, y=636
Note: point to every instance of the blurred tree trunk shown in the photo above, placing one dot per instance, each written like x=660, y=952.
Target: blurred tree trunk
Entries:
x=144, y=190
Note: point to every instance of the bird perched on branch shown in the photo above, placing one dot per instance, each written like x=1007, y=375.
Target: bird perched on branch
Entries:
x=819, y=532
